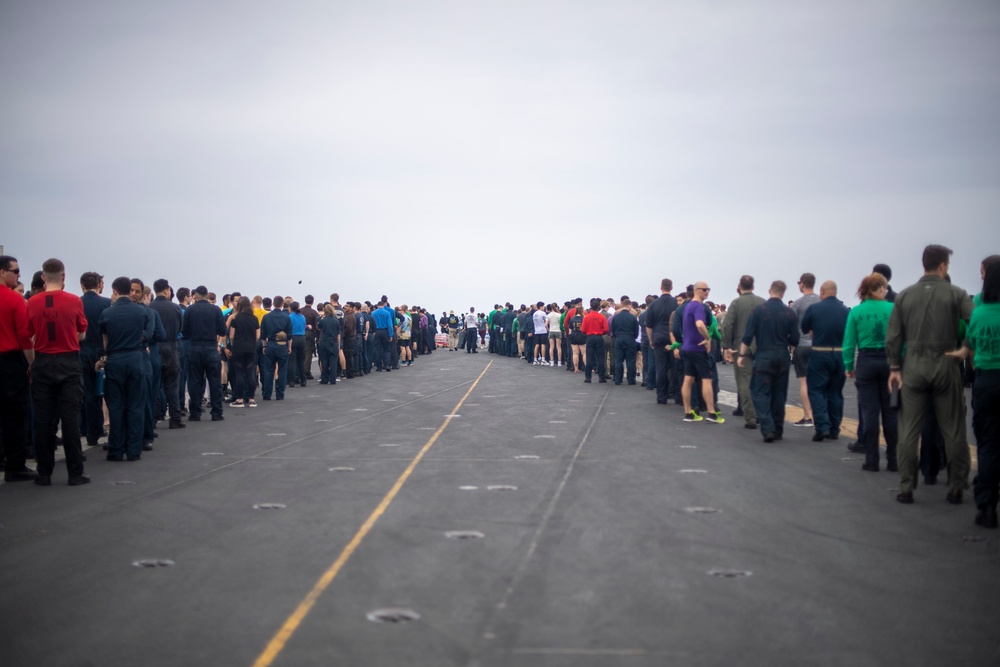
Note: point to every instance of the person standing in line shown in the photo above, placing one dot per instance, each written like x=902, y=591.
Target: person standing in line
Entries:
x=57, y=324
x=826, y=322
x=205, y=327
x=800, y=355
x=329, y=345
x=858, y=446
x=126, y=328
x=276, y=335
x=983, y=345
x=624, y=329
x=696, y=345
x=349, y=338
x=595, y=326
x=90, y=351
x=184, y=348
x=541, y=334
x=172, y=320
x=865, y=331
x=297, y=360
x=142, y=294
x=471, y=331
x=774, y=327
x=312, y=317
x=735, y=326
x=577, y=340
x=555, y=334
x=658, y=332
x=404, y=341
x=925, y=324
x=244, y=334
x=454, y=324
x=385, y=327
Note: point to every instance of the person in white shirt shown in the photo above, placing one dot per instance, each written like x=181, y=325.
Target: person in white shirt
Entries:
x=541, y=332
x=555, y=334
x=471, y=332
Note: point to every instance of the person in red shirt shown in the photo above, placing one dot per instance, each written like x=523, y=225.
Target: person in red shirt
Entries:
x=594, y=326
x=57, y=324
x=16, y=356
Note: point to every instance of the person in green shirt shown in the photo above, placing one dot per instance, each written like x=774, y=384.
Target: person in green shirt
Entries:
x=865, y=331
x=982, y=343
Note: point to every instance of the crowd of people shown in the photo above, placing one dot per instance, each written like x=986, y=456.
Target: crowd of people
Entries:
x=146, y=356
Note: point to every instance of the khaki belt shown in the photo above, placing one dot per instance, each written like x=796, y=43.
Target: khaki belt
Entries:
x=827, y=349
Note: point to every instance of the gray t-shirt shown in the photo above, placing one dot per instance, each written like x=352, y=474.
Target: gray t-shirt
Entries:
x=800, y=306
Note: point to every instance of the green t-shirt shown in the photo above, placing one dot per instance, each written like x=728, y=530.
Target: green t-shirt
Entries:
x=866, y=325
x=984, y=336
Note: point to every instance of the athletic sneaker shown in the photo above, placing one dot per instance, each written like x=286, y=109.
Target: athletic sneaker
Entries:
x=252, y=403
x=715, y=418
x=693, y=417
x=237, y=404
x=803, y=422
x=552, y=364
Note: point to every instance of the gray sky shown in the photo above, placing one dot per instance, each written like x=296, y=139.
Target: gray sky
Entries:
x=452, y=154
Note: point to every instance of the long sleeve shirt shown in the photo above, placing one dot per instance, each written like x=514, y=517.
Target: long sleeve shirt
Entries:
x=926, y=319
x=773, y=325
x=826, y=320
x=737, y=317
x=866, y=327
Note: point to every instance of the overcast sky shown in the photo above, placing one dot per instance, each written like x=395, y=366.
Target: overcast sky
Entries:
x=456, y=154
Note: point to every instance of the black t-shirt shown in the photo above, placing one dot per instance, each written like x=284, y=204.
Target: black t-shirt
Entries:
x=575, y=326
x=245, y=339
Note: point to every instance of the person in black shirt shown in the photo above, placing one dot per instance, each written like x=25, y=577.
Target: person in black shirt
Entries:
x=312, y=317
x=775, y=327
x=171, y=317
x=658, y=331
x=624, y=331
x=204, y=326
x=329, y=346
x=244, y=332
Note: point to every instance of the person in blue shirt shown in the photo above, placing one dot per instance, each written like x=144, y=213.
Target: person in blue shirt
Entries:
x=775, y=328
x=385, y=324
x=125, y=329
x=94, y=304
x=205, y=327
x=154, y=367
x=276, y=335
x=297, y=360
x=329, y=329
x=825, y=375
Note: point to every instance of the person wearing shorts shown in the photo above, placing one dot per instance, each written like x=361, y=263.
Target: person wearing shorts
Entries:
x=552, y=318
x=696, y=349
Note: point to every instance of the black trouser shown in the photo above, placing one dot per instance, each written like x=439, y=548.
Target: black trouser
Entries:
x=170, y=366
x=662, y=367
x=350, y=356
x=244, y=375
x=93, y=405
x=471, y=336
x=310, y=351
x=205, y=365
x=872, y=375
x=624, y=360
x=297, y=361
x=152, y=366
x=595, y=356
x=329, y=358
x=986, y=426
x=57, y=390
x=383, y=349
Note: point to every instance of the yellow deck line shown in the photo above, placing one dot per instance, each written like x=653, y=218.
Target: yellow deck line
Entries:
x=278, y=642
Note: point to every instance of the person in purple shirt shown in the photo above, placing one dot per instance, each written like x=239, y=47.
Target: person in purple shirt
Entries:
x=695, y=348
